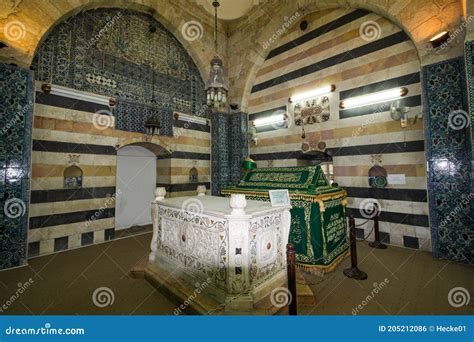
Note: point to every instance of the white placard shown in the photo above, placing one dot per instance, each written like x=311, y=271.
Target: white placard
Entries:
x=279, y=198
x=396, y=179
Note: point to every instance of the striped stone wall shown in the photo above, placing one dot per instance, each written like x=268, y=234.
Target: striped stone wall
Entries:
x=64, y=134
x=335, y=50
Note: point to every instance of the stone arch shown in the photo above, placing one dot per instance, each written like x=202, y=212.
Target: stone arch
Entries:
x=425, y=20
x=154, y=147
x=73, y=177
x=30, y=27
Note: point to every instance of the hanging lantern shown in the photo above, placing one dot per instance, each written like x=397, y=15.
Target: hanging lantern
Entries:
x=216, y=85
x=152, y=126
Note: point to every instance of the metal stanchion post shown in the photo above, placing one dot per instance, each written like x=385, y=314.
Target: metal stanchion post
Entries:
x=354, y=272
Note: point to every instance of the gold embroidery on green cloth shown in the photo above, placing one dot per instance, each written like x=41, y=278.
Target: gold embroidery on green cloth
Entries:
x=305, y=177
x=315, y=234
x=276, y=177
x=307, y=220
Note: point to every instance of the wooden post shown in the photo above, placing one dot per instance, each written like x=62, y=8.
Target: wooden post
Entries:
x=291, y=268
x=353, y=272
x=376, y=243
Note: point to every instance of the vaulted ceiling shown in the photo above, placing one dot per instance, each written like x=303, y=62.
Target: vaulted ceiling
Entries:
x=230, y=9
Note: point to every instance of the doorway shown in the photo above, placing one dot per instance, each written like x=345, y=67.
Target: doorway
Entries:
x=136, y=183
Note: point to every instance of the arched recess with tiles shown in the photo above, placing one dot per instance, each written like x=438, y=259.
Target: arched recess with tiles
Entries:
x=97, y=54
x=371, y=48
x=360, y=52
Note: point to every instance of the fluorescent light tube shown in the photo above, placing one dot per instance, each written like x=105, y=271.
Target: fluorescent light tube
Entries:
x=313, y=93
x=269, y=120
x=190, y=118
x=381, y=96
x=439, y=35
x=76, y=94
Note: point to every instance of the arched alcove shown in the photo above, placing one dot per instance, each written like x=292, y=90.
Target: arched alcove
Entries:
x=353, y=52
x=124, y=54
x=73, y=177
x=431, y=18
x=20, y=49
x=193, y=175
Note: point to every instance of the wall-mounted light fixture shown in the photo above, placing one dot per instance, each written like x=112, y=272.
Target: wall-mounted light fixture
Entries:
x=77, y=95
x=312, y=93
x=381, y=96
x=190, y=118
x=253, y=133
x=439, y=39
x=270, y=120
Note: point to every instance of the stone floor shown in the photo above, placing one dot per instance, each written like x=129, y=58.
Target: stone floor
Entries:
x=408, y=282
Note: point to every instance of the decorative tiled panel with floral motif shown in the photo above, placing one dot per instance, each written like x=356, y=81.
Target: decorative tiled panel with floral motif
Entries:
x=449, y=163
x=238, y=142
x=229, y=149
x=219, y=152
x=469, y=54
x=16, y=108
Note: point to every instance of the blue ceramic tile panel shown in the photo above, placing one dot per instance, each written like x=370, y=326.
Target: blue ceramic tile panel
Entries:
x=229, y=148
x=469, y=55
x=127, y=55
x=219, y=151
x=16, y=111
x=449, y=161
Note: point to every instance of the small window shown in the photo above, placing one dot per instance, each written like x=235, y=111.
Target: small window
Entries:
x=73, y=177
x=193, y=175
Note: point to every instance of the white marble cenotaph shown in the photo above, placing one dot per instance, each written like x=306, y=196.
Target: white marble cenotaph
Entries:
x=218, y=255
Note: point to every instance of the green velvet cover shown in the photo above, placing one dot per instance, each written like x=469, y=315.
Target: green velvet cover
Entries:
x=319, y=236
x=291, y=178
